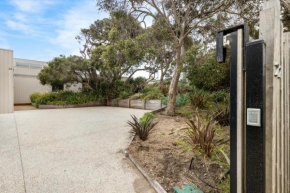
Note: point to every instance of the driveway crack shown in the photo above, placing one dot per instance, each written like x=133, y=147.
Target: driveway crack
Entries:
x=19, y=148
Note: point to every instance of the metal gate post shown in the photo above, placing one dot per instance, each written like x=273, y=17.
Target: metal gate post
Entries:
x=237, y=39
x=255, y=64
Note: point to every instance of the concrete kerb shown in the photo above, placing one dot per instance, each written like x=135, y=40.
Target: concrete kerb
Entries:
x=157, y=187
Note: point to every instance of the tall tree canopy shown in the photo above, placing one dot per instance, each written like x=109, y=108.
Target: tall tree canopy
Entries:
x=181, y=17
x=113, y=49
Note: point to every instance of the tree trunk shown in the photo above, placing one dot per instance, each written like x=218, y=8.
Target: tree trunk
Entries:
x=161, y=83
x=161, y=77
x=180, y=52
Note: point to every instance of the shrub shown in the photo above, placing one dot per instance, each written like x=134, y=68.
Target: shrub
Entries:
x=204, y=72
x=165, y=89
x=34, y=96
x=151, y=93
x=114, y=103
x=164, y=100
x=124, y=95
x=139, y=84
x=145, y=116
x=46, y=98
x=181, y=100
x=65, y=97
x=136, y=96
x=200, y=136
x=57, y=103
x=141, y=129
x=183, y=86
x=125, y=89
x=200, y=99
x=221, y=97
x=222, y=114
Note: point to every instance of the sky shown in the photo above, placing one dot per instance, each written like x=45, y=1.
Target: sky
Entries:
x=44, y=29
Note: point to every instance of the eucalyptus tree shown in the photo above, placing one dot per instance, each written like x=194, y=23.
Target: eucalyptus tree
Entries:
x=160, y=49
x=181, y=18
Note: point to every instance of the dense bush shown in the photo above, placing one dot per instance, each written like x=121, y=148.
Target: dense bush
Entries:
x=124, y=95
x=152, y=92
x=221, y=97
x=125, y=89
x=204, y=72
x=145, y=117
x=181, y=99
x=63, y=98
x=222, y=114
x=200, y=99
x=34, y=96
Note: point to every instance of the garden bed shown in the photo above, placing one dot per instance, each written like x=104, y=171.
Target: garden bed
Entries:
x=164, y=158
x=90, y=104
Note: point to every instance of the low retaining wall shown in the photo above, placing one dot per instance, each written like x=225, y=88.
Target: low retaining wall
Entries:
x=136, y=104
x=125, y=103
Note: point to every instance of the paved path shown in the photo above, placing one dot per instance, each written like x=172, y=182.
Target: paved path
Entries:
x=24, y=108
x=67, y=151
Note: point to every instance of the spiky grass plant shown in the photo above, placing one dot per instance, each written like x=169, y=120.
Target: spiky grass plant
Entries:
x=200, y=135
x=141, y=129
x=222, y=114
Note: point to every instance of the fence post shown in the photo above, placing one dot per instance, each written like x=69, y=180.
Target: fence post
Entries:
x=270, y=32
x=286, y=72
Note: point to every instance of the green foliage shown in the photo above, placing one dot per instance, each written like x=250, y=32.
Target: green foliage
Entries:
x=221, y=97
x=183, y=86
x=126, y=89
x=113, y=51
x=185, y=111
x=204, y=72
x=222, y=114
x=34, y=96
x=200, y=99
x=114, y=103
x=64, y=98
x=62, y=70
x=225, y=184
x=182, y=99
x=200, y=135
x=136, y=96
x=139, y=84
x=141, y=129
x=145, y=117
x=152, y=92
x=124, y=95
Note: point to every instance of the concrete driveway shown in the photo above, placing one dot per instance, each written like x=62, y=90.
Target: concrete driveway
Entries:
x=68, y=150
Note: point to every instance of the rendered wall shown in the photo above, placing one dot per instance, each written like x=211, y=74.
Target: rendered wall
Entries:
x=26, y=82
x=6, y=81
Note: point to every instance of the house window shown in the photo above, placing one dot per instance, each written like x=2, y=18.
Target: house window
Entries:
x=25, y=65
